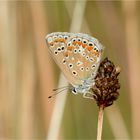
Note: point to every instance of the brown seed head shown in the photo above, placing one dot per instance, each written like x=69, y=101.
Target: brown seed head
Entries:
x=106, y=83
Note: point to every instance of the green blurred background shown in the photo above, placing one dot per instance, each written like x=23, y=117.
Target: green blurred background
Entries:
x=28, y=74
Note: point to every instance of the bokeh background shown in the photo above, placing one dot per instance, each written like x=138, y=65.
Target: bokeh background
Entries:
x=28, y=74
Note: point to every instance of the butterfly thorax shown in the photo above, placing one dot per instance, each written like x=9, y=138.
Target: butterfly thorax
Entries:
x=83, y=88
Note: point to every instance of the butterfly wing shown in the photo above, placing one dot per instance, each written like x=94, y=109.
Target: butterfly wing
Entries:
x=57, y=43
x=77, y=55
x=86, y=54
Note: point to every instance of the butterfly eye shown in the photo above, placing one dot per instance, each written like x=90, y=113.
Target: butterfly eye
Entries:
x=74, y=91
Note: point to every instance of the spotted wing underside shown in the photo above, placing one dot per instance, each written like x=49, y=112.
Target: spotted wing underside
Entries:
x=77, y=55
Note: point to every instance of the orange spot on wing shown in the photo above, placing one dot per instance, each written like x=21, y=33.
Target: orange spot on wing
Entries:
x=74, y=42
x=84, y=45
x=61, y=40
x=89, y=48
x=95, y=53
x=66, y=53
x=79, y=43
x=51, y=44
x=56, y=40
x=70, y=48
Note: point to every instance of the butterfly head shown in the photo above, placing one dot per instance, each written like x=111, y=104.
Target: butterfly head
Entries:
x=84, y=87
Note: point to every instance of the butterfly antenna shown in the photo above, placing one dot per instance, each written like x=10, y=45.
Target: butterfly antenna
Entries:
x=57, y=90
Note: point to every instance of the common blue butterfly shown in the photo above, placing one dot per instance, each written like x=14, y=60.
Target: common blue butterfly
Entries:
x=78, y=56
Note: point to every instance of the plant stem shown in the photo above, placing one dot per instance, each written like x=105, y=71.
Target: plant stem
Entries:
x=100, y=122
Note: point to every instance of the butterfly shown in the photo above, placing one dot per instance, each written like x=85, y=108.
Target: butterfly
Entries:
x=78, y=56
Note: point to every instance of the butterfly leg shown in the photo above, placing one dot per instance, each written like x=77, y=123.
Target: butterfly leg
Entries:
x=88, y=95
